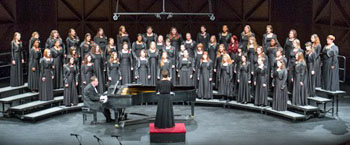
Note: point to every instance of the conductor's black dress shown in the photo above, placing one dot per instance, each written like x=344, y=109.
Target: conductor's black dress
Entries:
x=165, y=113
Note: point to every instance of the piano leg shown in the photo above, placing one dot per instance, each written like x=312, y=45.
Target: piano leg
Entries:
x=192, y=109
x=116, y=114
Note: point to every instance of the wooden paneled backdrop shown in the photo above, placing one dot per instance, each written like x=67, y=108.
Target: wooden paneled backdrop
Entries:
x=306, y=16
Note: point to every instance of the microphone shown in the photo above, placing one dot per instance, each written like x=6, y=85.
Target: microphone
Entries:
x=77, y=136
x=98, y=139
x=117, y=137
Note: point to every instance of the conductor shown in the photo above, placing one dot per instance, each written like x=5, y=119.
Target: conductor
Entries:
x=94, y=100
x=165, y=113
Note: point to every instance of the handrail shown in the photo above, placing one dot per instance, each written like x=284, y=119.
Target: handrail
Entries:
x=343, y=68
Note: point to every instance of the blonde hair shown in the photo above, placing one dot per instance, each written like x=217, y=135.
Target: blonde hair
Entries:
x=162, y=58
x=229, y=60
x=331, y=37
x=46, y=53
x=111, y=59
x=317, y=39
x=254, y=43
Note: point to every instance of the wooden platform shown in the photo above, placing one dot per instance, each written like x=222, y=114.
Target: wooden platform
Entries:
x=35, y=116
x=249, y=106
x=9, y=89
x=305, y=109
x=287, y=114
x=21, y=110
x=334, y=95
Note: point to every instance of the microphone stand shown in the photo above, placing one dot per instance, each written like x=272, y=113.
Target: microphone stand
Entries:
x=77, y=137
x=117, y=137
x=98, y=140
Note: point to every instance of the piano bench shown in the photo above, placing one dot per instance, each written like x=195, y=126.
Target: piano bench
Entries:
x=85, y=111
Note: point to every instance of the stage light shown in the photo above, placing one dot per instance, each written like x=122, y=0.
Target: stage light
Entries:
x=169, y=16
x=212, y=17
x=115, y=16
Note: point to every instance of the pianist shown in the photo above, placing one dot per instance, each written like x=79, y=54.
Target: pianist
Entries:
x=165, y=114
x=94, y=101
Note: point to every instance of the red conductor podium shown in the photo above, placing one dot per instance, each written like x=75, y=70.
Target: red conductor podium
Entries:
x=167, y=135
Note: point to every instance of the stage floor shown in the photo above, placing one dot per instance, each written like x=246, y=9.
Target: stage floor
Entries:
x=212, y=125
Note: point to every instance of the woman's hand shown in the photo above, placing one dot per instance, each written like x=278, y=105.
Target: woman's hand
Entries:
x=43, y=79
x=13, y=62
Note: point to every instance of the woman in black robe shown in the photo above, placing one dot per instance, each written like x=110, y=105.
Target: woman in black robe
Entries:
x=165, y=64
x=126, y=64
x=316, y=44
x=87, y=70
x=101, y=40
x=149, y=36
x=160, y=44
x=110, y=48
x=72, y=41
x=190, y=44
x=330, y=67
x=244, y=81
x=46, y=77
x=70, y=83
x=237, y=59
x=217, y=64
x=280, y=92
x=73, y=53
x=17, y=60
x=213, y=48
x=58, y=58
x=251, y=52
x=137, y=46
x=300, y=93
x=310, y=60
x=86, y=45
x=122, y=37
x=225, y=36
x=35, y=36
x=197, y=59
x=279, y=56
x=142, y=69
x=51, y=41
x=268, y=36
x=226, y=76
x=205, y=75
x=33, y=69
x=113, y=69
x=175, y=39
x=171, y=50
x=260, y=83
x=99, y=67
x=165, y=112
x=203, y=37
x=271, y=54
x=186, y=68
x=153, y=56
x=288, y=46
x=291, y=63
x=247, y=32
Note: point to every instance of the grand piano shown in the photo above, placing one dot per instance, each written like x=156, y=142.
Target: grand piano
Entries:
x=122, y=97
